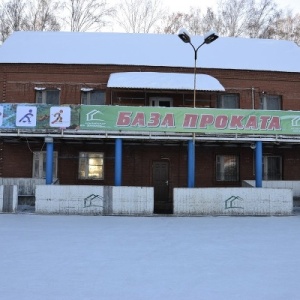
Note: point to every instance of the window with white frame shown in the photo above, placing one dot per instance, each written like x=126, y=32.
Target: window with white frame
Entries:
x=91, y=165
x=227, y=168
x=161, y=101
x=47, y=96
x=228, y=101
x=272, y=167
x=89, y=96
x=270, y=102
x=39, y=164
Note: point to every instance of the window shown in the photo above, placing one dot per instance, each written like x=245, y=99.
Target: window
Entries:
x=272, y=169
x=91, y=165
x=39, y=164
x=161, y=101
x=228, y=101
x=227, y=168
x=270, y=102
x=45, y=96
x=92, y=97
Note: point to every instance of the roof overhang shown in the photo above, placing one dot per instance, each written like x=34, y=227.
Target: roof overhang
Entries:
x=163, y=81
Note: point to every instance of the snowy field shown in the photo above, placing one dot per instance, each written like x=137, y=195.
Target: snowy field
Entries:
x=139, y=258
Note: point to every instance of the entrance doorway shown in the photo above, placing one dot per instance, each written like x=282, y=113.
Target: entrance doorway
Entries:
x=160, y=178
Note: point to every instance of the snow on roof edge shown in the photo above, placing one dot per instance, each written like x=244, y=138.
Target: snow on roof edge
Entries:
x=159, y=50
x=160, y=80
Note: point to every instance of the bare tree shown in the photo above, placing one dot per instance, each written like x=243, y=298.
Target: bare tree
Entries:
x=234, y=15
x=139, y=15
x=263, y=16
x=195, y=21
x=16, y=15
x=211, y=20
x=42, y=15
x=174, y=22
x=13, y=17
x=287, y=27
x=84, y=15
x=192, y=21
x=4, y=26
x=247, y=18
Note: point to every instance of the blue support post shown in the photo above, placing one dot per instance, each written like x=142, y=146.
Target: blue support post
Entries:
x=258, y=164
x=191, y=163
x=118, y=162
x=49, y=160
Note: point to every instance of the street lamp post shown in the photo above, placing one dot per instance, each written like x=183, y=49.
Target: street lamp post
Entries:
x=208, y=38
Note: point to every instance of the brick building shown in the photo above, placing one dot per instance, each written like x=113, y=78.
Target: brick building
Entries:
x=248, y=93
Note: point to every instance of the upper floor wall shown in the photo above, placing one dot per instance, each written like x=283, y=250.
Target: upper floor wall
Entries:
x=87, y=84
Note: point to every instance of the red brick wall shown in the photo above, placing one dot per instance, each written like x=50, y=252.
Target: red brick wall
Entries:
x=17, y=84
x=17, y=159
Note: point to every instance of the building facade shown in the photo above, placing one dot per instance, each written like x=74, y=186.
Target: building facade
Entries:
x=146, y=82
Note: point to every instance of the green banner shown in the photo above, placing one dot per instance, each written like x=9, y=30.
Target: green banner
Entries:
x=210, y=121
x=149, y=119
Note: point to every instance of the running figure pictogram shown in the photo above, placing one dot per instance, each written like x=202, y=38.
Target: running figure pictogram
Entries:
x=58, y=117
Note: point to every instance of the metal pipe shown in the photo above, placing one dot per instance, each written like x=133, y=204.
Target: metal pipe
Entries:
x=258, y=164
x=118, y=162
x=191, y=163
x=49, y=160
x=152, y=136
x=252, y=98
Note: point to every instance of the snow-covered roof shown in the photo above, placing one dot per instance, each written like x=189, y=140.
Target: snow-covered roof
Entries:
x=149, y=50
x=171, y=81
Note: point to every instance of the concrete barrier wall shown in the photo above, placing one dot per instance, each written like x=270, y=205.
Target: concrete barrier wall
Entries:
x=93, y=200
x=132, y=200
x=26, y=186
x=1, y=198
x=110, y=200
x=282, y=184
x=8, y=198
x=233, y=201
x=63, y=199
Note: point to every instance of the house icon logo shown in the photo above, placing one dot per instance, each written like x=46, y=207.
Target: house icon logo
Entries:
x=234, y=202
x=296, y=121
x=94, y=115
x=93, y=201
x=94, y=119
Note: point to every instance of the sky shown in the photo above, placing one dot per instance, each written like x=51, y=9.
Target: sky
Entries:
x=186, y=4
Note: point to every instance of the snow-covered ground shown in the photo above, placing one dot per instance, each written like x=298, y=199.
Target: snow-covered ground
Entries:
x=139, y=258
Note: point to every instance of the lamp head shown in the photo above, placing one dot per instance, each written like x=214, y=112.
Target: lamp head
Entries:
x=184, y=36
x=210, y=36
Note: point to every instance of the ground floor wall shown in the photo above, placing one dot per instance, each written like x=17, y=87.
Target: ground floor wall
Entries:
x=140, y=158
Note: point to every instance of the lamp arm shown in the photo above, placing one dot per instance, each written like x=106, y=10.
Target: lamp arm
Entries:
x=196, y=50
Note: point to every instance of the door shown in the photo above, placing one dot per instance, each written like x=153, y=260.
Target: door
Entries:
x=160, y=178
